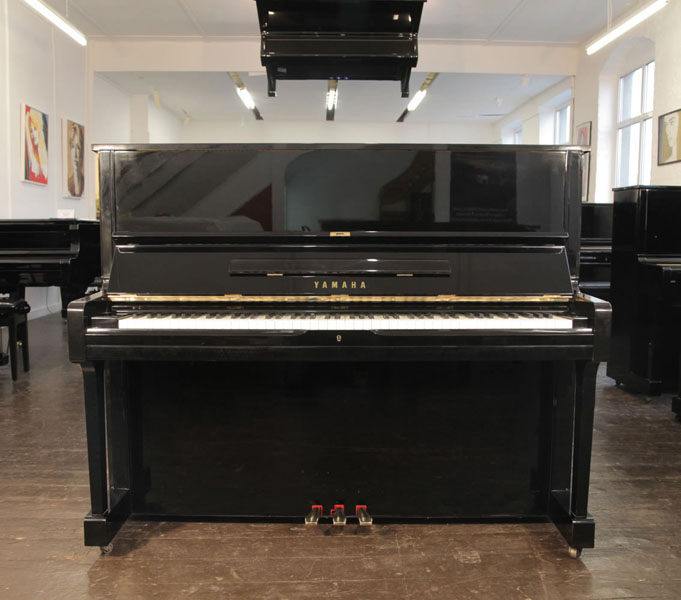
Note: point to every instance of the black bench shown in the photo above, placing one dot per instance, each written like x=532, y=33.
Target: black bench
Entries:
x=13, y=315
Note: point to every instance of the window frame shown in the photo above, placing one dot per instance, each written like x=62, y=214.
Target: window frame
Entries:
x=641, y=119
x=556, y=123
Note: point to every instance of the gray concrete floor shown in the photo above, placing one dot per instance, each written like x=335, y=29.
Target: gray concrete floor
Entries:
x=635, y=497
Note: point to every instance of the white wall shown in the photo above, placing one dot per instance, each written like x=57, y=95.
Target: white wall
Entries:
x=332, y=132
x=535, y=116
x=111, y=113
x=596, y=79
x=164, y=126
x=41, y=67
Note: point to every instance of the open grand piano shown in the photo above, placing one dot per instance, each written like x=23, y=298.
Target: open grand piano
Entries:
x=49, y=252
x=287, y=330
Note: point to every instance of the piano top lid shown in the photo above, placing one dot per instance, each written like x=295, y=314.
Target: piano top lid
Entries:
x=401, y=17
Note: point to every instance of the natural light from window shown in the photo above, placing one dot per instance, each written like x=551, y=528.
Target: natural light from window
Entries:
x=635, y=127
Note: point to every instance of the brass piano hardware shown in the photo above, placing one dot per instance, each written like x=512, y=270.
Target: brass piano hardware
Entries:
x=275, y=274
x=315, y=513
x=339, y=234
x=405, y=274
x=121, y=297
x=363, y=516
x=339, y=338
x=338, y=515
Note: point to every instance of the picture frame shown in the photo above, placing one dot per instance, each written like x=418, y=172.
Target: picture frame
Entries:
x=34, y=145
x=669, y=138
x=73, y=168
x=583, y=136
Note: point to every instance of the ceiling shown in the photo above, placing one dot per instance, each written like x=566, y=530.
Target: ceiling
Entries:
x=551, y=21
x=453, y=97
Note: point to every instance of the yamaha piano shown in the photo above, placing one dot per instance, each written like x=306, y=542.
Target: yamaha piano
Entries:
x=340, y=334
x=596, y=251
x=49, y=252
x=646, y=288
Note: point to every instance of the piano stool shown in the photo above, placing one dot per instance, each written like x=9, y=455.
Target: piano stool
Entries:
x=13, y=316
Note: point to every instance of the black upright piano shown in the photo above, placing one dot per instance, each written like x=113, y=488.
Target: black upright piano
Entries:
x=49, y=252
x=595, y=256
x=374, y=331
x=646, y=288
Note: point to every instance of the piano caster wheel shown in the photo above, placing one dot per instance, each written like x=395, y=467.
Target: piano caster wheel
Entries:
x=108, y=549
x=574, y=552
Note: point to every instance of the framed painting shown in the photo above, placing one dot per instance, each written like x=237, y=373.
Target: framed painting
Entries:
x=669, y=138
x=73, y=171
x=34, y=133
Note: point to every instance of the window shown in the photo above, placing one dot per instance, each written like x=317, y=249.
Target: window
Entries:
x=561, y=125
x=635, y=126
x=518, y=136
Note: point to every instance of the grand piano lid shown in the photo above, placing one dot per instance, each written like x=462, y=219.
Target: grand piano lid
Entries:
x=339, y=39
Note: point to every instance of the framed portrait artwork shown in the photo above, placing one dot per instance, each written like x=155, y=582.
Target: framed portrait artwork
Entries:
x=73, y=171
x=583, y=137
x=34, y=135
x=669, y=138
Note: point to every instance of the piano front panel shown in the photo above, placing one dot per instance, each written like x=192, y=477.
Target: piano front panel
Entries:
x=459, y=439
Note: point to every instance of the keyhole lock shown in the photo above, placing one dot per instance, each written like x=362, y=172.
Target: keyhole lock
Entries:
x=338, y=338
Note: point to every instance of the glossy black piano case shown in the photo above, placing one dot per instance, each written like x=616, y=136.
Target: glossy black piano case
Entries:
x=415, y=425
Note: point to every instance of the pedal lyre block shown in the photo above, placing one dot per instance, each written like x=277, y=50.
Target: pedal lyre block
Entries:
x=338, y=515
x=363, y=516
x=315, y=513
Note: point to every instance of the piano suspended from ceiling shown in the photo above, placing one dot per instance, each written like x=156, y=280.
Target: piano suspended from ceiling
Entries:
x=287, y=330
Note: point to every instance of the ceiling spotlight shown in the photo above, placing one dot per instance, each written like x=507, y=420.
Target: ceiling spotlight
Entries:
x=418, y=96
x=630, y=23
x=57, y=21
x=331, y=100
x=245, y=95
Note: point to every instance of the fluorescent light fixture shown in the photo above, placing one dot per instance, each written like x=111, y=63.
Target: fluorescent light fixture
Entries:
x=630, y=23
x=331, y=99
x=416, y=100
x=246, y=98
x=57, y=21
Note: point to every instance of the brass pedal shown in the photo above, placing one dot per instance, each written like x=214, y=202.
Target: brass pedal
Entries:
x=315, y=513
x=363, y=516
x=338, y=515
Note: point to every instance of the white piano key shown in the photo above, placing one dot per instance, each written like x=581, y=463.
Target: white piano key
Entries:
x=347, y=322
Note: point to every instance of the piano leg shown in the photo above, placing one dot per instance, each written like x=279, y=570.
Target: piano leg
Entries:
x=109, y=507
x=568, y=505
x=23, y=336
x=13, y=349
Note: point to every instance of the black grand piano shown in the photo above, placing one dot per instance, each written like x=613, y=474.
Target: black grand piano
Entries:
x=596, y=251
x=646, y=288
x=49, y=252
x=340, y=334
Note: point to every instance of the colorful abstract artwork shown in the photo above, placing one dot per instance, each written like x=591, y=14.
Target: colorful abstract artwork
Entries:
x=34, y=127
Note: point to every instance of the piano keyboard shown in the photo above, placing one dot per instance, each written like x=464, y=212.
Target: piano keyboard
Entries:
x=349, y=322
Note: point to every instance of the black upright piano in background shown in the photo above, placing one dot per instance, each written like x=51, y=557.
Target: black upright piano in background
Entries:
x=646, y=288
x=49, y=252
x=288, y=331
x=596, y=251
